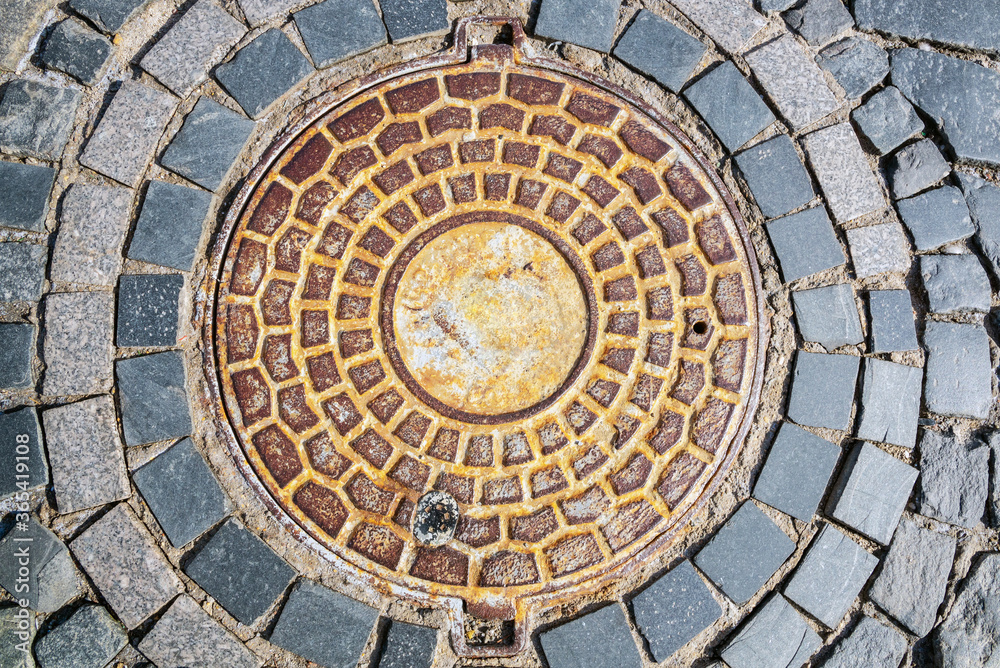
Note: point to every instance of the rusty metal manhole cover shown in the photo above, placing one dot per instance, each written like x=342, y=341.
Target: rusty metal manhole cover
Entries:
x=499, y=284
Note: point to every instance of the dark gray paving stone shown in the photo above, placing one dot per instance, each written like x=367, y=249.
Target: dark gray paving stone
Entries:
x=153, y=400
x=856, y=63
x=954, y=478
x=744, y=553
x=169, y=226
x=872, y=644
x=959, y=379
x=797, y=472
x=589, y=23
x=887, y=119
x=13, y=640
x=335, y=30
x=22, y=271
x=675, y=57
x=17, y=351
x=890, y=403
x=51, y=578
x=24, y=195
x=77, y=50
x=872, y=492
x=90, y=637
x=823, y=390
x=147, y=309
x=22, y=424
x=36, y=119
x=673, y=610
x=984, y=206
x=955, y=283
x=574, y=645
x=108, y=15
x=805, y=243
x=960, y=93
x=914, y=576
x=311, y=610
x=775, y=635
x=181, y=491
x=187, y=636
x=916, y=167
x=263, y=71
x=969, y=637
x=958, y=22
x=937, y=217
x=828, y=315
x=730, y=105
x=830, y=576
x=892, y=321
x=408, y=646
x=209, y=141
x=819, y=21
x=775, y=175
x=20, y=24
x=410, y=19
x=241, y=572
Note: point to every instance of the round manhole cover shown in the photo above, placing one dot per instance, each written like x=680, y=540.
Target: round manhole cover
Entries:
x=501, y=283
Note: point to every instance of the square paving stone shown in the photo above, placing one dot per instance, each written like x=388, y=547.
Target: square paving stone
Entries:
x=775, y=635
x=599, y=639
x=984, y=206
x=872, y=644
x=153, y=399
x=673, y=610
x=181, y=491
x=17, y=351
x=589, y=23
x=126, y=566
x=776, y=176
x=336, y=30
x=914, y=576
x=259, y=11
x=108, y=15
x=408, y=646
x=311, y=611
x=937, y=217
x=819, y=21
x=93, y=224
x=851, y=187
x=890, y=403
x=24, y=195
x=916, y=167
x=85, y=454
x=892, y=321
x=830, y=576
x=887, y=119
x=730, y=23
x=794, y=81
x=954, y=478
x=828, y=316
x=52, y=580
x=822, y=392
x=262, y=71
x=36, y=119
x=797, y=472
x=209, y=141
x=878, y=249
x=187, y=636
x=181, y=59
x=89, y=637
x=872, y=492
x=21, y=436
x=744, y=553
x=675, y=57
x=14, y=639
x=21, y=20
x=77, y=349
x=805, y=243
x=169, y=226
x=147, y=309
x=241, y=572
x=731, y=107
x=22, y=271
x=959, y=378
x=955, y=283
x=412, y=19
x=856, y=63
x=77, y=50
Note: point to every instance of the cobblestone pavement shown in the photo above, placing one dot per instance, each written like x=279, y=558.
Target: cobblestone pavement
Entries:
x=231, y=433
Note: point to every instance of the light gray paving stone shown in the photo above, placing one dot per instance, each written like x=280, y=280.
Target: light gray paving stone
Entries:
x=878, y=249
x=148, y=310
x=819, y=21
x=851, y=188
x=187, y=636
x=793, y=80
x=872, y=644
x=984, y=206
x=955, y=283
x=914, y=576
x=797, y=472
x=336, y=30
x=936, y=217
x=775, y=5
x=408, y=646
x=887, y=119
x=960, y=93
x=19, y=23
x=259, y=11
x=89, y=637
x=241, y=572
x=123, y=144
x=263, y=71
x=872, y=492
x=673, y=610
x=108, y=15
x=583, y=22
x=24, y=195
x=957, y=22
x=21, y=436
x=994, y=504
x=52, y=579
x=170, y=224
x=77, y=50
x=970, y=635
x=775, y=635
x=17, y=634
x=77, y=343
x=805, y=243
x=206, y=146
x=153, y=400
x=17, y=346
x=954, y=478
x=916, y=167
x=856, y=63
x=731, y=107
x=828, y=315
x=411, y=19
x=822, y=392
x=892, y=321
x=85, y=454
x=675, y=57
x=93, y=224
x=959, y=379
x=22, y=271
x=744, y=553
x=36, y=119
x=776, y=176
x=730, y=23
x=890, y=403
x=181, y=59
x=605, y=628
x=126, y=566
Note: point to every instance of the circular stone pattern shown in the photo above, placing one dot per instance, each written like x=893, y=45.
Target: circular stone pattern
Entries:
x=499, y=283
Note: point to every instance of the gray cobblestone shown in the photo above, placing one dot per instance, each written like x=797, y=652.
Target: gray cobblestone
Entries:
x=916, y=167
x=954, y=478
x=805, y=243
x=77, y=344
x=11, y=636
x=77, y=50
x=958, y=22
x=209, y=141
x=955, y=283
x=52, y=580
x=872, y=492
x=187, y=636
x=731, y=23
x=259, y=11
x=36, y=119
x=335, y=30
x=93, y=224
x=993, y=437
x=108, y=15
x=857, y=64
x=153, y=400
x=23, y=421
x=731, y=107
x=263, y=71
x=819, y=21
x=878, y=249
x=822, y=393
x=89, y=637
x=411, y=19
x=959, y=378
x=675, y=57
x=828, y=316
x=793, y=80
x=937, y=217
x=851, y=188
x=19, y=22
x=872, y=644
x=584, y=22
x=408, y=645
x=984, y=206
x=890, y=403
x=605, y=628
x=22, y=271
x=797, y=472
x=887, y=119
x=968, y=637
x=148, y=310
x=17, y=351
x=892, y=321
x=673, y=610
x=774, y=635
x=170, y=225
x=24, y=195
x=776, y=176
